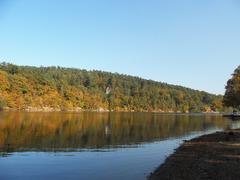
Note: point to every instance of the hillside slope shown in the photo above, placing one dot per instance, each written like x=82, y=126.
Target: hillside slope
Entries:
x=57, y=88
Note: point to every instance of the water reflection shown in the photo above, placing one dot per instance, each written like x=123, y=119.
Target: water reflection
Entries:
x=76, y=131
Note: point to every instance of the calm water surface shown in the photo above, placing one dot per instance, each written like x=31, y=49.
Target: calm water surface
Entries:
x=94, y=145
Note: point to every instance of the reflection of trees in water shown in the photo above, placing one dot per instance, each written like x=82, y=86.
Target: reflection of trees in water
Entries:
x=95, y=130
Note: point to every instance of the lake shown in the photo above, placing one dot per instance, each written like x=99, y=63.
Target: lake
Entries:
x=91, y=145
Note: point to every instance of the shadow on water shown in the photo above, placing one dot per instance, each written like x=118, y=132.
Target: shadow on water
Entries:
x=78, y=131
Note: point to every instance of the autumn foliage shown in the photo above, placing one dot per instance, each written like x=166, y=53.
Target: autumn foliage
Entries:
x=57, y=88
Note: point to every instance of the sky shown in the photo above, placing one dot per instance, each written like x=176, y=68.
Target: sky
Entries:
x=190, y=43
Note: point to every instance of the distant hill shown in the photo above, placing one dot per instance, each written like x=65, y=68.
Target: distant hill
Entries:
x=57, y=88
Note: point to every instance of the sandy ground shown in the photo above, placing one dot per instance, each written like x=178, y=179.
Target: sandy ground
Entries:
x=215, y=156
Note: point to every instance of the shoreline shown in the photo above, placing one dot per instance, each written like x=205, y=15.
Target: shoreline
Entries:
x=78, y=109
x=214, y=156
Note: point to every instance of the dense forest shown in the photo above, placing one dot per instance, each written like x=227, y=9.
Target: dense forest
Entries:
x=57, y=88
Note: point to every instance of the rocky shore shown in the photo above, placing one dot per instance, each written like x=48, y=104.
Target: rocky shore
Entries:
x=215, y=157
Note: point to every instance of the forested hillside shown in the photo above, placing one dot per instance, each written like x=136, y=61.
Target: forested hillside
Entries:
x=57, y=88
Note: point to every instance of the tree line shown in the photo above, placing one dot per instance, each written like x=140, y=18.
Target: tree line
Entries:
x=61, y=88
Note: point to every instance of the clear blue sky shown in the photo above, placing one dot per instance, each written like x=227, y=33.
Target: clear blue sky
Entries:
x=188, y=42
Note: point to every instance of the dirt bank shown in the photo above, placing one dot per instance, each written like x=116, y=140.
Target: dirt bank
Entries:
x=215, y=156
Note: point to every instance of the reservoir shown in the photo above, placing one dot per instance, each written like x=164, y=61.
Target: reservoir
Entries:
x=91, y=145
